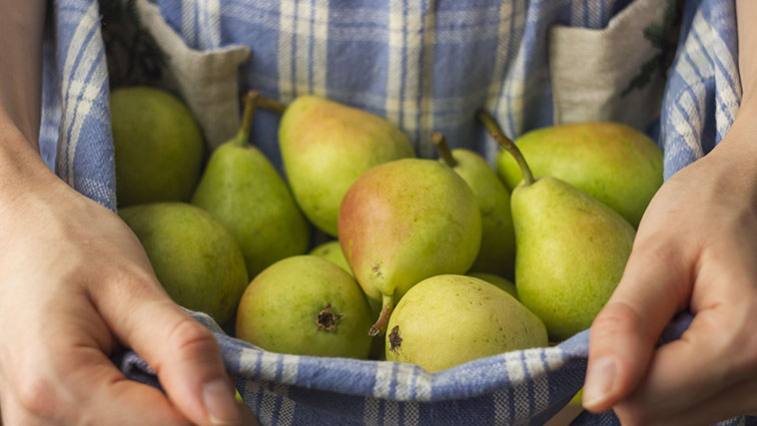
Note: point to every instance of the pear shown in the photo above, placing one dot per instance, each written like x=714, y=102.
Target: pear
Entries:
x=196, y=260
x=404, y=221
x=325, y=146
x=305, y=305
x=614, y=163
x=496, y=280
x=243, y=191
x=497, y=252
x=572, y=249
x=447, y=320
x=332, y=252
x=158, y=146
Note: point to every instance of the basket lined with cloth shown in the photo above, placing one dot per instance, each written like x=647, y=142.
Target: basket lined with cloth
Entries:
x=402, y=59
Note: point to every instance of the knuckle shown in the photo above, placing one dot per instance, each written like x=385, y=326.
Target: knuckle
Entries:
x=616, y=318
x=36, y=396
x=190, y=337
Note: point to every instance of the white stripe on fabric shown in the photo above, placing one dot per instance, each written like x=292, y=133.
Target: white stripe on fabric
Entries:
x=289, y=369
x=426, y=119
x=303, y=32
x=370, y=411
x=188, y=22
x=423, y=386
x=555, y=358
x=501, y=55
x=410, y=410
x=391, y=413
x=248, y=359
x=395, y=57
x=74, y=87
x=510, y=102
x=411, y=78
x=267, y=406
x=688, y=128
x=517, y=375
x=286, y=35
x=501, y=400
x=404, y=382
x=320, y=47
x=209, y=24
x=286, y=408
x=382, y=380
x=538, y=373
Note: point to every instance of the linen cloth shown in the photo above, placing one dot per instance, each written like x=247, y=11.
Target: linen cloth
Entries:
x=424, y=64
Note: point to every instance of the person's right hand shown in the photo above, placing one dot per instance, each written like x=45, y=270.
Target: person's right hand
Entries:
x=74, y=284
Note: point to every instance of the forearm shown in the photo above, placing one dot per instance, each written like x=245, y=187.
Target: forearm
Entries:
x=739, y=146
x=21, y=26
x=746, y=16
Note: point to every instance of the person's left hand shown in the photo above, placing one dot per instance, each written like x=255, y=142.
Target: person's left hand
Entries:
x=696, y=248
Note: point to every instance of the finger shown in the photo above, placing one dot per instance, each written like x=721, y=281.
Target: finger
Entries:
x=624, y=334
x=687, y=372
x=105, y=396
x=184, y=353
x=739, y=400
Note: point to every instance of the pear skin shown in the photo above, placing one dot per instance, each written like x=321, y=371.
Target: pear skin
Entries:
x=572, y=250
x=614, y=163
x=306, y=305
x=497, y=252
x=196, y=260
x=325, y=146
x=404, y=221
x=158, y=145
x=496, y=280
x=243, y=191
x=332, y=252
x=448, y=320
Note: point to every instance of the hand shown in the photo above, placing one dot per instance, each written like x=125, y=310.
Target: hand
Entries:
x=74, y=283
x=696, y=248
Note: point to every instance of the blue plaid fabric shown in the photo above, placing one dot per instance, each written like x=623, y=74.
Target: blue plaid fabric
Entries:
x=424, y=64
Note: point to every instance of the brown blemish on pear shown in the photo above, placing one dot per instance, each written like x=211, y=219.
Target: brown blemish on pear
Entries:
x=328, y=319
x=395, y=341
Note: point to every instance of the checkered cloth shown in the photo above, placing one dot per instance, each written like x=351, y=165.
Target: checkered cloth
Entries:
x=424, y=64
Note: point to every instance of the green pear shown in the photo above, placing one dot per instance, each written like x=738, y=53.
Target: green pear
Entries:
x=243, y=191
x=497, y=252
x=448, y=320
x=332, y=252
x=325, y=146
x=496, y=280
x=305, y=305
x=612, y=162
x=158, y=146
x=572, y=249
x=196, y=260
x=404, y=221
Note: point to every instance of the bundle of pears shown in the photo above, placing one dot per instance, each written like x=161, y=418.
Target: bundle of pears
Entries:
x=426, y=250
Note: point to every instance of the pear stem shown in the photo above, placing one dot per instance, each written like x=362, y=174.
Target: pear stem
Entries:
x=508, y=145
x=438, y=139
x=387, y=305
x=250, y=103
x=271, y=104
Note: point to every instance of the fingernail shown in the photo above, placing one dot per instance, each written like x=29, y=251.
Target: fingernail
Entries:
x=219, y=401
x=599, y=382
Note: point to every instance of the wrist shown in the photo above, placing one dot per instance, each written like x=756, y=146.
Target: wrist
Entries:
x=21, y=168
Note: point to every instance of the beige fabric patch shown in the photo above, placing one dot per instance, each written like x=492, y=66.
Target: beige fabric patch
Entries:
x=590, y=69
x=206, y=80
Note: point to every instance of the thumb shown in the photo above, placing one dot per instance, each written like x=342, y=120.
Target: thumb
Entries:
x=655, y=285
x=183, y=352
